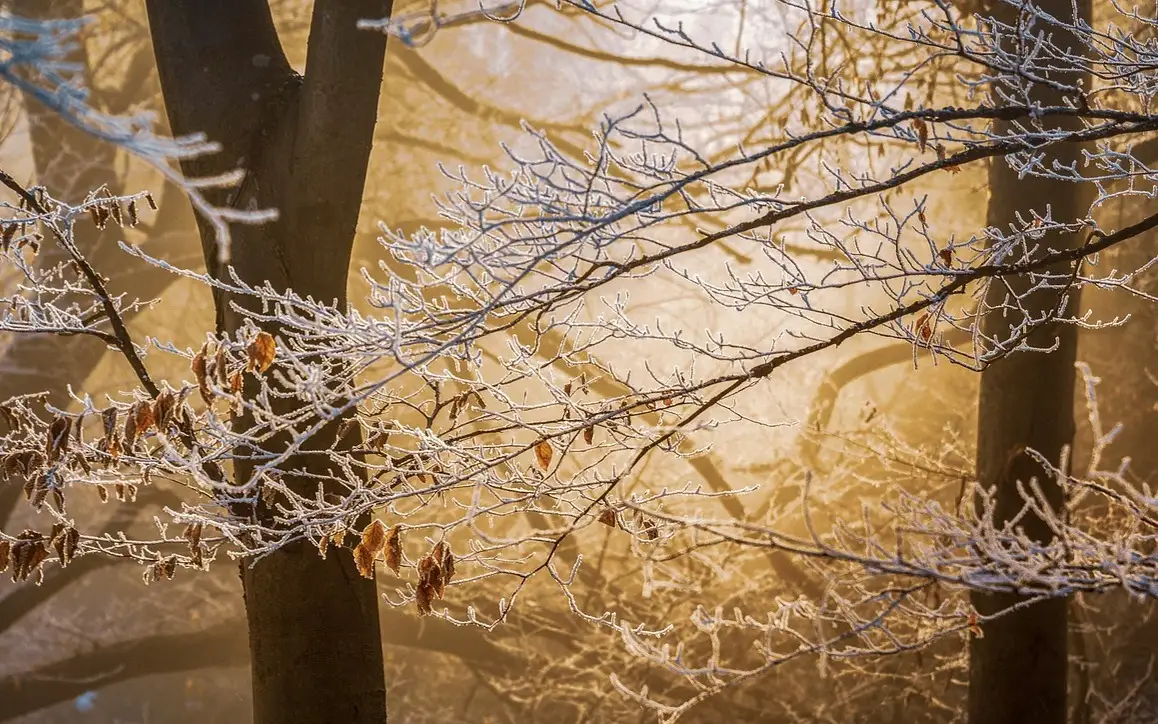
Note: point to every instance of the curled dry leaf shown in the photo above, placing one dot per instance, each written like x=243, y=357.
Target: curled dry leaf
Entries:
x=143, y=411
x=36, y=491
x=588, y=434
x=261, y=351
x=163, y=408
x=192, y=534
x=129, y=434
x=447, y=567
x=607, y=517
x=394, y=549
x=165, y=568
x=200, y=368
x=544, y=453
x=922, y=134
x=58, y=438
x=65, y=541
x=974, y=626
x=364, y=560
x=221, y=367
x=924, y=328
x=27, y=555
x=430, y=573
x=109, y=420
x=5, y=552
x=422, y=597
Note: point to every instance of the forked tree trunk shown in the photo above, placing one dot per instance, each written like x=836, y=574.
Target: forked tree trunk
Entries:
x=313, y=623
x=1018, y=669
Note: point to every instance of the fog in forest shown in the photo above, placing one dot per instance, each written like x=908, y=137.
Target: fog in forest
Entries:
x=709, y=458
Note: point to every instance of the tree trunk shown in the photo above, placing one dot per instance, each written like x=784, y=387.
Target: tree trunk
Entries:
x=1018, y=669
x=305, y=143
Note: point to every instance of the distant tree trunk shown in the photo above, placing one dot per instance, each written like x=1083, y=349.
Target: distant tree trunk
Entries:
x=70, y=163
x=1018, y=669
x=1119, y=627
x=305, y=142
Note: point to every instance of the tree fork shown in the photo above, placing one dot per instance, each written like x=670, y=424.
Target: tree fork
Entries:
x=314, y=630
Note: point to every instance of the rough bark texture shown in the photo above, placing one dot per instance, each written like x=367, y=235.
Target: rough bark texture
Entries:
x=313, y=624
x=1018, y=669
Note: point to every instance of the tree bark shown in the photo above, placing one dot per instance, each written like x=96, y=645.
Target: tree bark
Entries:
x=1018, y=668
x=314, y=631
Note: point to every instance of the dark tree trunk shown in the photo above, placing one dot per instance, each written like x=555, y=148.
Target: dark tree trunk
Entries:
x=305, y=142
x=1018, y=669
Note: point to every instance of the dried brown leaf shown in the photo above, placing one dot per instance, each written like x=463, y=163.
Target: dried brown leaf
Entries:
x=57, y=443
x=163, y=407
x=143, y=411
x=69, y=544
x=192, y=534
x=374, y=537
x=607, y=517
x=364, y=560
x=430, y=574
x=423, y=596
x=924, y=328
x=394, y=549
x=447, y=566
x=130, y=430
x=221, y=368
x=28, y=553
x=543, y=454
x=261, y=351
x=200, y=368
x=109, y=420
